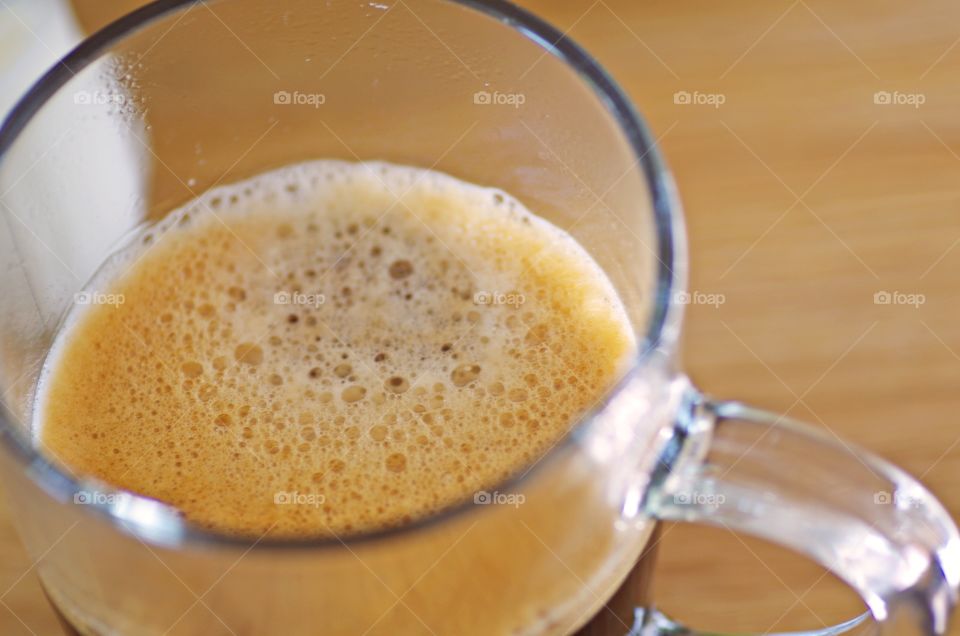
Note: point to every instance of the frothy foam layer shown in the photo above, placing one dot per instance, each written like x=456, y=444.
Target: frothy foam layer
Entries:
x=332, y=348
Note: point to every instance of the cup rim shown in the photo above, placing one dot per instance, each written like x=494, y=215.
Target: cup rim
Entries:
x=167, y=527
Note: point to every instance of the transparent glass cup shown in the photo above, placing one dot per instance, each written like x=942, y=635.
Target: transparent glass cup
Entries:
x=182, y=96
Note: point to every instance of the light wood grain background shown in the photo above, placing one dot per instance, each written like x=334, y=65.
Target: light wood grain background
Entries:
x=803, y=198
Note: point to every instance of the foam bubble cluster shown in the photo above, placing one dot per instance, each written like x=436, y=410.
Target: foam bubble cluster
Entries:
x=320, y=350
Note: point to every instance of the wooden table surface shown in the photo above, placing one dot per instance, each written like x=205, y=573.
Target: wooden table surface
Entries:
x=804, y=198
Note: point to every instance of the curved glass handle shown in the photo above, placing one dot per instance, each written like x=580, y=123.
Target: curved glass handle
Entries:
x=865, y=520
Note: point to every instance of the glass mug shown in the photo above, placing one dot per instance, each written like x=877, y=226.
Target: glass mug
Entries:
x=181, y=96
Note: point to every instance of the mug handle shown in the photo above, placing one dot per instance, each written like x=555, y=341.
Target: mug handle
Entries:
x=868, y=522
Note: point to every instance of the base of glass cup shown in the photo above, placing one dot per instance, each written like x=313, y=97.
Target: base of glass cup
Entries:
x=69, y=627
x=618, y=617
x=628, y=612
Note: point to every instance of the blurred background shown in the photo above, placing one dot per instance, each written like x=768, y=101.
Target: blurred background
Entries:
x=817, y=153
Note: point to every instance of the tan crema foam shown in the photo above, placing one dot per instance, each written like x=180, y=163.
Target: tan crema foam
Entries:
x=332, y=348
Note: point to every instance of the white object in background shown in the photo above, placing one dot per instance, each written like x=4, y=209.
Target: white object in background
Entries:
x=34, y=34
x=73, y=182
x=71, y=185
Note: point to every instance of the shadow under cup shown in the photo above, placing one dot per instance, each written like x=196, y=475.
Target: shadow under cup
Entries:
x=181, y=96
